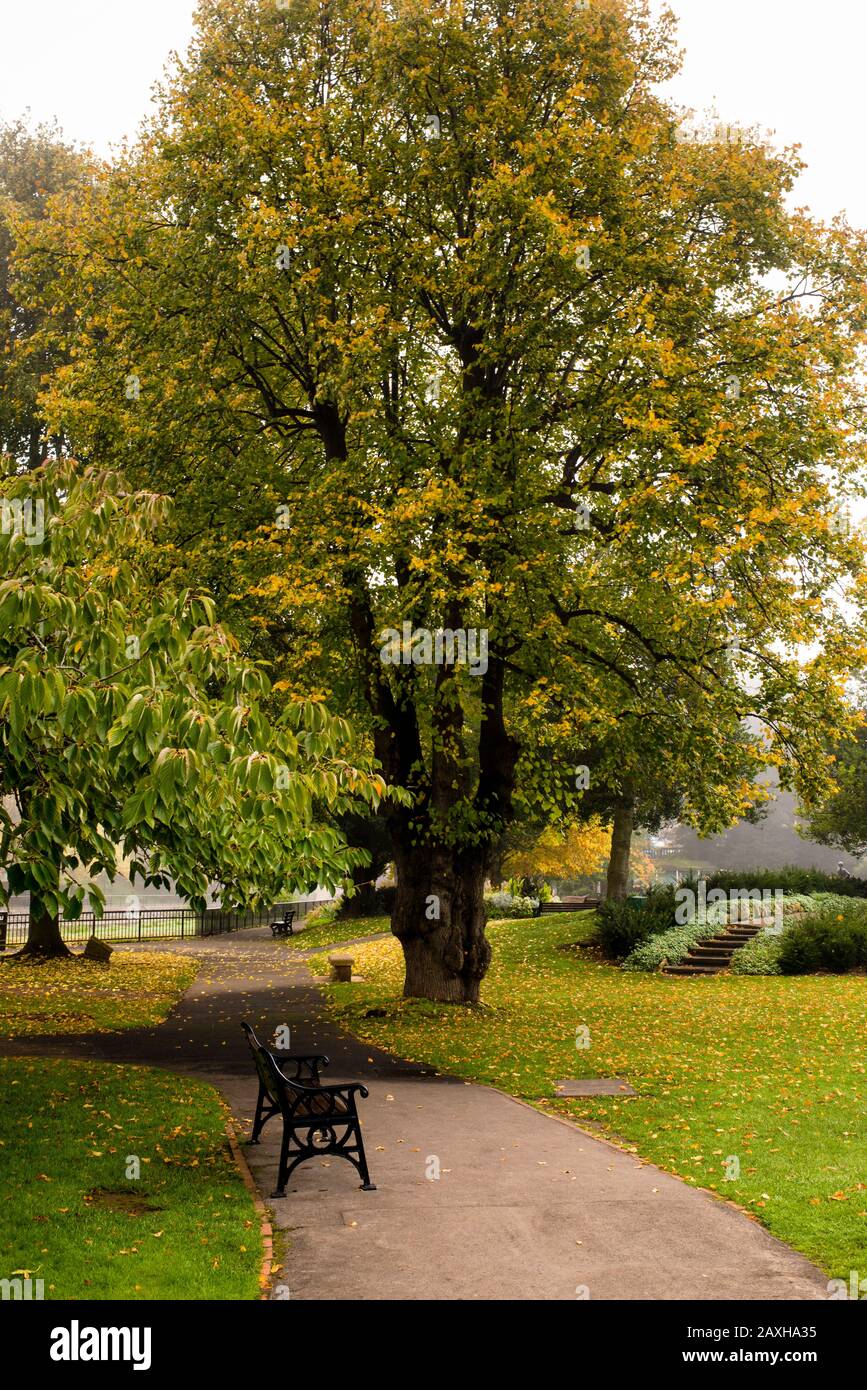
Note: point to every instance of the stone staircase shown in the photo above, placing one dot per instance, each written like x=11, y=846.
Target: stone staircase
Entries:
x=713, y=954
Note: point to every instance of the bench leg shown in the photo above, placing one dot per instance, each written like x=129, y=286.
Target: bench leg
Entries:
x=287, y=1168
x=262, y=1116
x=282, y=1173
x=367, y=1185
x=257, y=1118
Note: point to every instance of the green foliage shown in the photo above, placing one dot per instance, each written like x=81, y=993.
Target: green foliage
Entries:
x=790, y=880
x=129, y=721
x=666, y=947
x=35, y=166
x=760, y=956
x=833, y=940
x=322, y=916
x=477, y=377
x=842, y=819
x=398, y=342
x=621, y=926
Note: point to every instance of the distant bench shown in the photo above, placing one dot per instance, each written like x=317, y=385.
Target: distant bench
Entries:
x=283, y=926
x=568, y=905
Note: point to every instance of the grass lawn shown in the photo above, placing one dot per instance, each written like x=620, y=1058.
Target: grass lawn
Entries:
x=770, y=1071
x=83, y=996
x=71, y=1216
x=335, y=932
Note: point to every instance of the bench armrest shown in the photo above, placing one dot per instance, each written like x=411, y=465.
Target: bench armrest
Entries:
x=346, y=1088
x=300, y=1057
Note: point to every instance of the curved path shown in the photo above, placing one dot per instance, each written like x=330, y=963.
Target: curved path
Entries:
x=526, y=1206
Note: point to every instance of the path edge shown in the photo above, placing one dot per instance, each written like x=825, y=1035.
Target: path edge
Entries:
x=266, y=1230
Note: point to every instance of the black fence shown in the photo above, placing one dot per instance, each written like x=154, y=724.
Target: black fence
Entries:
x=154, y=924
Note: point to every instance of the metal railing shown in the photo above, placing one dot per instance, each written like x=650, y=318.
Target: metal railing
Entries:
x=153, y=924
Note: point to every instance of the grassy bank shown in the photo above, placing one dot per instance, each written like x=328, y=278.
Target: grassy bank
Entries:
x=72, y=1135
x=333, y=933
x=82, y=996
x=769, y=1072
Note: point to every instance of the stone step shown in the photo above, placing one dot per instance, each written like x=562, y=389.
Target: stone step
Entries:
x=714, y=954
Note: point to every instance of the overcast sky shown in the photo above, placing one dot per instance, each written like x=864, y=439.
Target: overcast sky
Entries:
x=793, y=66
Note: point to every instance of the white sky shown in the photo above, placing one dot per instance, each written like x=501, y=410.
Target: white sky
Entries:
x=793, y=66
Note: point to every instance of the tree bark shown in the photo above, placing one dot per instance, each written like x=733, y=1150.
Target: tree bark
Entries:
x=370, y=833
x=621, y=844
x=439, y=919
x=495, y=869
x=363, y=901
x=43, y=933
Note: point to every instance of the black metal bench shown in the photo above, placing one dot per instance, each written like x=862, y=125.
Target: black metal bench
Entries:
x=317, y=1120
x=283, y=925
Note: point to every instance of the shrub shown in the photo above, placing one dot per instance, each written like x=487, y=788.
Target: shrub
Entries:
x=671, y=946
x=790, y=879
x=324, y=915
x=659, y=907
x=831, y=939
x=761, y=956
x=504, y=905
x=621, y=926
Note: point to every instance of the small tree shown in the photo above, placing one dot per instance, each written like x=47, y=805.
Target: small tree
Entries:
x=842, y=819
x=127, y=718
x=572, y=851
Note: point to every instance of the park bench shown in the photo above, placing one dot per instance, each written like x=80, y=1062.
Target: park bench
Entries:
x=318, y=1121
x=283, y=925
x=304, y=1066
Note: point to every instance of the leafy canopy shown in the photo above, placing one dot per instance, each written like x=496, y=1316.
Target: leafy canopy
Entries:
x=437, y=319
x=129, y=719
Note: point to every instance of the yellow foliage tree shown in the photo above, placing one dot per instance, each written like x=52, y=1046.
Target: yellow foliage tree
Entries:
x=568, y=853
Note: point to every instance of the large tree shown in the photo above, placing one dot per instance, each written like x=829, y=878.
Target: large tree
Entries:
x=128, y=720
x=429, y=315
x=35, y=165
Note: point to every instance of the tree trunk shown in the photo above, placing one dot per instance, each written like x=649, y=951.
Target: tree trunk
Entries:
x=43, y=933
x=621, y=843
x=439, y=918
x=363, y=901
x=495, y=870
x=34, y=447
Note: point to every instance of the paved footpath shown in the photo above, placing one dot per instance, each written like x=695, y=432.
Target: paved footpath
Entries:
x=526, y=1206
